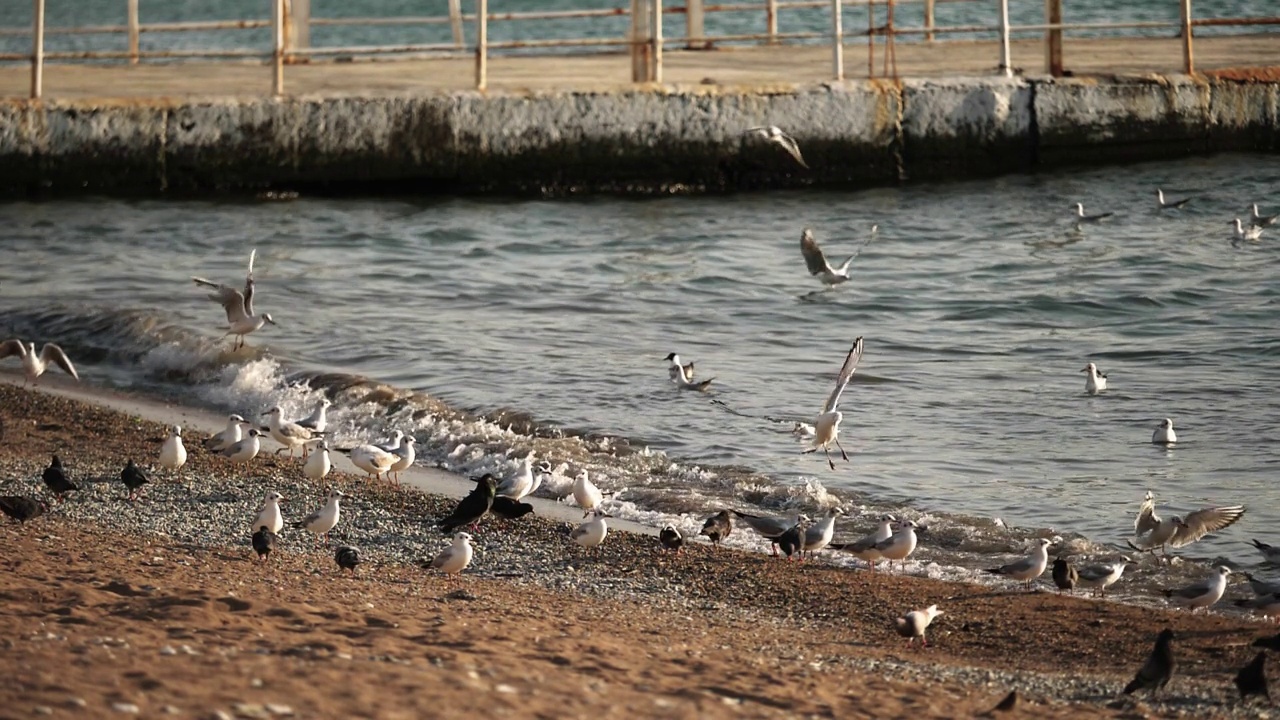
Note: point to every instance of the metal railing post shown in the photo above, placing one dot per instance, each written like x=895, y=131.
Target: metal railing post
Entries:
x=771, y=20
x=1053, y=38
x=455, y=23
x=482, y=44
x=37, y=51
x=640, y=45
x=132, y=13
x=1188, y=62
x=299, y=24
x=837, y=39
x=1006, y=64
x=928, y=20
x=695, y=27
x=655, y=74
x=277, y=54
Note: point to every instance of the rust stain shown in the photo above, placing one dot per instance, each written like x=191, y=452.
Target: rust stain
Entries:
x=1249, y=74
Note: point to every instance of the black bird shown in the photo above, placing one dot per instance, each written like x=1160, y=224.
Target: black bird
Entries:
x=1252, y=678
x=133, y=478
x=1064, y=575
x=472, y=507
x=506, y=508
x=718, y=526
x=792, y=541
x=1158, y=668
x=55, y=478
x=264, y=541
x=671, y=538
x=1269, y=643
x=22, y=508
x=347, y=558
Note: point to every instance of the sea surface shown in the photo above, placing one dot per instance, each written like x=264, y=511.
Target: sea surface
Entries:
x=492, y=328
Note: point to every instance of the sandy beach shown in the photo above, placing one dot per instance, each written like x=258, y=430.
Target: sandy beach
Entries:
x=160, y=607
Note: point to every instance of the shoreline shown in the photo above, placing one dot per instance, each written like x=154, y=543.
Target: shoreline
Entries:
x=808, y=631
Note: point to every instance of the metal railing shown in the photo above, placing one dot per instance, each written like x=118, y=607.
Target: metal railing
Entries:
x=291, y=22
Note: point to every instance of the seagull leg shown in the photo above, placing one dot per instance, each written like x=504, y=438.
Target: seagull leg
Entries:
x=843, y=454
x=829, y=460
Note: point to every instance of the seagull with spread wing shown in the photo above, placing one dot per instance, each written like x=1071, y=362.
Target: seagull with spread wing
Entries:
x=238, y=305
x=826, y=428
x=817, y=263
x=1154, y=532
x=33, y=365
x=773, y=135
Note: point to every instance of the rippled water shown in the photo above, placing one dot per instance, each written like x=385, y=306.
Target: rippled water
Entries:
x=979, y=301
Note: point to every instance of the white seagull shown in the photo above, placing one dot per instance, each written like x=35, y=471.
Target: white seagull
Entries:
x=1253, y=232
x=773, y=134
x=405, y=455
x=229, y=436
x=586, y=494
x=591, y=533
x=33, y=365
x=519, y=485
x=318, y=420
x=1096, y=381
x=900, y=544
x=1204, y=593
x=319, y=463
x=245, y=450
x=1154, y=532
x=1101, y=576
x=1260, y=220
x=1164, y=434
x=1028, y=568
x=173, y=455
x=827, y=425
x=913, y=624
x=269, y=516
x=397, y=437
x=816, y=261
x=865, y=548
x=238, y=305
x=455, y=558
x=818, y=535
x=682, y=375
x=1172, y=204
x=325, y=519
x=1082, y=218
x=372, y=459
x=290, y=434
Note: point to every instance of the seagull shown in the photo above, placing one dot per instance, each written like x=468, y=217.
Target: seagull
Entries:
x=899, y=545
x=397, y=437
x=372, y=459
x=865, y=549
x=591, y=533
x=1102, y=576
x=544, y=470
x=264, y=541
x=173, y=455
x=1262, y=587
x=671, y=538
x=816, y=261
x=677, y=370
x=818, y=535
x=586, y=494
x=1260, y=220
x=1156, y=671
x=1064, y=575
x=474, y=506
x=245, y=450
x=802, y=430
x=55, y=478
x=772, y=134
x=1265, y=605
x=770, y=528
x=718, y=526
x=913, y=624
x=322, y=521
x=1028, y=568
x=229, y=436
x=1082, y=218
x=33, y=365
x=509, y=509
x=1164, y=434
x=318, y=420
x=1204, y=593
x=1096, y=382
x=134, y=479
x=519, y=485
x=318, y=464
x=1172, y=204
x=269, y=516
x=827, y=425
x=1270, y=553
x=290, y=434
x=405, y=455
x=238, y=305
x=1252, y=678
x=455, y=558
x=1253, y=232
x=347, y=558
x=1153, y=532
x=22, y=508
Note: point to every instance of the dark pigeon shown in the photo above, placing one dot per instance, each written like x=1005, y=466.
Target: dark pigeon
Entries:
x=506, y=508
x=264, y=541
x=22, y=508
x=671, y=538
x=348, y=558
x=55, y=478
x=1158, y=668
x=133, y=478
x=1064, y=575
x=472, y=507
x=792, y=541
x=718, y=526
x=1252, y=678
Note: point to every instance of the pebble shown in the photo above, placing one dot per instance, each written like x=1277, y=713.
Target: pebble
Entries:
x=168, y=650
x=77, y=702
x=281, y=710
x=126, y=708
x=171, y=710
x=42, y=710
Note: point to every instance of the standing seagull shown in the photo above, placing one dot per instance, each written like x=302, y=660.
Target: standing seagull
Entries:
x=1096, y=381
x=455, y=558
x=322, y=521
x=1102, y=576
x=134, y=479
x=1164, y=434
x=591, y=534
x=586, y=494
x=816, y=261
x=317, y=421
x=1028, y=568
x=1260, y=220
x=245, y=450
x=1172, y=204
x=773, y=134
x=173, y=454
x=290, y=434
x=1082, y=218
x=519, y=485
x=1204, y=593
x=770, y=529
x=372, y=459
x=55, y=478
x=1252, y=678
x=405, y=455
x=913, y=624
x=1154, y=533
x=827, y=425
x=238, y=305
x=718, y=526
x=1253, y=232
x=899, y=545
x=269, y=516
x=33, y=365
x=1156, y=671
x=865, y=548
x=318, y=464
x=229, y=436
x=819, y=535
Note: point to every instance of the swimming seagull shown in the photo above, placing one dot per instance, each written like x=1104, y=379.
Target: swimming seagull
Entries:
x=865, y=549
x=245, y=450
x=1164, y=434
x=1156, y=671
x=269, y=516
x=913, y=624
x=229, y=436
x=347, y=558
x=318, y=420
x=173, y=455
x=671, y=538
x=324, y=520
x=1102, y=576
x=1253, y=232
x=773, y=134
x=33, y=365
x=473, y=507
x=586, y=494
x=1172, y=204
x=1064, y=575
x=1201, y=594
x=1270, y=553
x=1096, y=381
x=900, y=544
x=22, y=508
x=1260, y=220
x=318, y=464
x=55, y=478
x=677, y=371
x=264, y=541
x=455, y=558
x=1153, y=532
x=1028, y=568
x=816, y=261
x=134, y=479
x=718, y=526
x=290, y=434
x=1082, y=218
x=238, y=305
x=1252, y=678
x=770, y=528
x=827, y=425
x=591, y=533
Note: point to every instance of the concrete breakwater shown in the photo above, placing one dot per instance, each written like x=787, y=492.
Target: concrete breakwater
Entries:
x=660, y=139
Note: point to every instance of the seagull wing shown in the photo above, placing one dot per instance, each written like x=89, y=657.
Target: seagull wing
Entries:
x=1203, y=522
x=294, y=431
x=813, y=257
x=231, y=300
x=1094, y=573
x=1194, y=590
x=442, y=558
x=1147, y=519
x=248, y=285
x=846, y=372
x=789, y=144
x=769, y=527
x=13, y=347
x=310, y=519
x=52, y=353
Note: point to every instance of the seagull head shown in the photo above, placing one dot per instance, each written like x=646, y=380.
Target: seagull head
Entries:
x=600, y=513
x=236, y=419
x=266, y=317
x=1166, y=423
x=336, y=493
x=254, y=432
x=544, y=467
x=1223, y=570
x=1043, y=542
x=462, y=538
x=1090, y=368
x=274, y=411
x=670, y=527
x=177, y=431
x=274, y=497
x=806, y=234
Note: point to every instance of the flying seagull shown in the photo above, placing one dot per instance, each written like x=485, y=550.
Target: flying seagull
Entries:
x=827, y=425
x=774, y=135
x=238, y=305
x=33, y=365
x=1156, y=671
x=1171, y=204
x=816, y=261
x=1154, y=532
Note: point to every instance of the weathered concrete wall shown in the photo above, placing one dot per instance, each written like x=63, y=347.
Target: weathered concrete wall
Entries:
x=662, y=140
